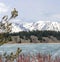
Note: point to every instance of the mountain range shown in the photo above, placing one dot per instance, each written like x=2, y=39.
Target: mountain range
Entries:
x=39, y=25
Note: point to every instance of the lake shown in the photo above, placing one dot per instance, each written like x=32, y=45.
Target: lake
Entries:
x=44, y=48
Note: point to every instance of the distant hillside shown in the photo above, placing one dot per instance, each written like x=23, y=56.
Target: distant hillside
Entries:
x=42, y=36
x=30, y=37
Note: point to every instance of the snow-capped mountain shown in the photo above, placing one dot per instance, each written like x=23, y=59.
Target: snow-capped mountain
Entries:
x=39, y=25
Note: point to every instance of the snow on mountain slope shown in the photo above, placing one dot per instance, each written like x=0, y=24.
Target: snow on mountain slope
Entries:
x=40, y=25
x=16, y=28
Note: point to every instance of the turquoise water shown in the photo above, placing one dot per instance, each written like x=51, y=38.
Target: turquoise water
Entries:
x=53, y=49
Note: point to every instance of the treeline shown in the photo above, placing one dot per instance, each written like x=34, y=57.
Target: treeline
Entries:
x=37, y=33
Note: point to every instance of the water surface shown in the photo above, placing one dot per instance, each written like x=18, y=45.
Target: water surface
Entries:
x=45, y=48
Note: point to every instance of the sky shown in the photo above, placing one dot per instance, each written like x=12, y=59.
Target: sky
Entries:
x=32, y=10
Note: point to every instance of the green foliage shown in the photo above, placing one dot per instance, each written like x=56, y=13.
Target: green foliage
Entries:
x=27, y=35
x=37, y=33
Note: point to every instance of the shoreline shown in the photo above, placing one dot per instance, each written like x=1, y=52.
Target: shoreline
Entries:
x=32, y=43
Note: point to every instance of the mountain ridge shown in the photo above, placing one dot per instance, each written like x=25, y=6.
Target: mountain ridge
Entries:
x=39, y=25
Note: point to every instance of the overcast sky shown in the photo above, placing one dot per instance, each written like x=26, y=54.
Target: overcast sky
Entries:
x=32, y=10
